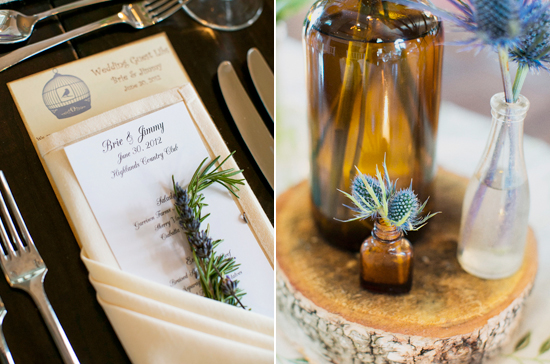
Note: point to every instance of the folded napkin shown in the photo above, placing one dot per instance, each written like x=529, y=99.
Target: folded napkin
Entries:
x=155, y=323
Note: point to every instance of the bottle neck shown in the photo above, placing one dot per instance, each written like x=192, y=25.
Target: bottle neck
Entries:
x=388, y=233
x=503, y=163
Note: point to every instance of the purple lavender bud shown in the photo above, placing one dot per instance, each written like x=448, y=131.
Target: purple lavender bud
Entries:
x=229, y=287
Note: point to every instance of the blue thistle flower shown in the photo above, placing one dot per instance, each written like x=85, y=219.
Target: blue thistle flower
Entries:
x=498, y=21
x=361, y=194
x=370, y=195
x=516, y=29
x=494, y=23
x=533, y=48
x=404, y=209
x=378, y=198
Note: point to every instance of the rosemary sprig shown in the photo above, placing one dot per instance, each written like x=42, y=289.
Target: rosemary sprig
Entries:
x=213, y=269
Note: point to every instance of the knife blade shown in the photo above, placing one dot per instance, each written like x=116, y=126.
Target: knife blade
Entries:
x=257, y=137
x=263, y=79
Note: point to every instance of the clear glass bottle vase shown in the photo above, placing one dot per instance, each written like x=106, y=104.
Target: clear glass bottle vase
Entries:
x=495, y=211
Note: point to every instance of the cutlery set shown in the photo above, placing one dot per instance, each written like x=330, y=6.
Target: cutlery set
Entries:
x=24, y=269
x=138, y=15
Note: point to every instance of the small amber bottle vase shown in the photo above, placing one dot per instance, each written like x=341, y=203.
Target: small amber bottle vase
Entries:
x=386, y=261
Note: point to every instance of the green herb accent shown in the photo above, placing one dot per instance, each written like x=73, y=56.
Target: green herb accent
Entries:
x=523, y=342
x=213, y=269
x=292, y=361
x=544, y=347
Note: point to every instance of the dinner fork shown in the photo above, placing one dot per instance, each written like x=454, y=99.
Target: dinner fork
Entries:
x=24, y=268
x=16, y=27
x=139, y=15
x=5, y=354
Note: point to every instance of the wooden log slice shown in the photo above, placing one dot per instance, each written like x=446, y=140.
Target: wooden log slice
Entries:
x=449, y=316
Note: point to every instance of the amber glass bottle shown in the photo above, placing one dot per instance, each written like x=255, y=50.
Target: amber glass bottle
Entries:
x=373, y=81
x=386, y=261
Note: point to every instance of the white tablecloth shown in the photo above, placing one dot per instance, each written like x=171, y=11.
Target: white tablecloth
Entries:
x=461, y=140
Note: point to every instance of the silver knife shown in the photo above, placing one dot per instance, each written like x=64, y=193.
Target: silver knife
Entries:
x=263, y=79
x=257, y=137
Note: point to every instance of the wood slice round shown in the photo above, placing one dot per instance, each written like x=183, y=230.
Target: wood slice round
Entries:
x=449, y=316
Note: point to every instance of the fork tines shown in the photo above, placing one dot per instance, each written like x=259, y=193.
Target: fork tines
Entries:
x=162, y=9
x=15, y=244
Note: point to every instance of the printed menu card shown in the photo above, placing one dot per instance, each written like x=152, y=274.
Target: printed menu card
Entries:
x=54, y=99
x=126, y=175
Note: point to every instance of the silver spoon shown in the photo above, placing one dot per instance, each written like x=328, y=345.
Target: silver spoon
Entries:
x=16, y=27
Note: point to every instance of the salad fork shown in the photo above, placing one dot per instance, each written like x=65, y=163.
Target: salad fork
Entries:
x=24, y=268
x=16, y=27
x=138, y=15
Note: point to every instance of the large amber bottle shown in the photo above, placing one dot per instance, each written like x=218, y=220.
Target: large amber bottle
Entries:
x=373, y=81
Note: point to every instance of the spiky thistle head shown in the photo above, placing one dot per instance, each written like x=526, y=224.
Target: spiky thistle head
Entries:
x=379, y=198
x=361, y=193
x=404, y=211
x=370, y=195
x=533, y=48
x=493, y=23
x=497, y=22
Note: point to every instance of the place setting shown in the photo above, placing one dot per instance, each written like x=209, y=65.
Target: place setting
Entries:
x=153, y=150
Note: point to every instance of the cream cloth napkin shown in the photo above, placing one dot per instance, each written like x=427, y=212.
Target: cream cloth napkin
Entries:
x=155, y=323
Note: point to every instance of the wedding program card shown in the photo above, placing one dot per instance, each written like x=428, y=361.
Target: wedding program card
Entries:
x=126, y=176
x=54, y=99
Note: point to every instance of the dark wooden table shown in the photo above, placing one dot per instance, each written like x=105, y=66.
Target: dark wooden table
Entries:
x=71, y=295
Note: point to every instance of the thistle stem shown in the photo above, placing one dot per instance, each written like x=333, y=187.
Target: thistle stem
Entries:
x=505, y=70
x=519, y=79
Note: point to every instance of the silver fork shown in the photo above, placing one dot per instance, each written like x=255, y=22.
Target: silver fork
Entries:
x=139, y=15
x=24, y=268
x=5, y=354
x=16, y=27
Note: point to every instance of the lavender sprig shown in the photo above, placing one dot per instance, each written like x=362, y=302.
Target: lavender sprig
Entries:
x=213, y=270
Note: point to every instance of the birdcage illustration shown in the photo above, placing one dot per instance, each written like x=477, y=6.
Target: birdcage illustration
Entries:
x=66, y=95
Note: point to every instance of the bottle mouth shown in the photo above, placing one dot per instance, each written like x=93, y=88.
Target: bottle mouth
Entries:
x=511, y=111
